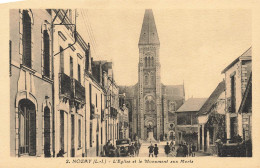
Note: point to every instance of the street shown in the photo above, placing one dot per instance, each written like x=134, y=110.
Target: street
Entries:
x=144, y=151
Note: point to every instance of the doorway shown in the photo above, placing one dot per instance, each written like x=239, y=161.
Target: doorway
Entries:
x=47, y=136
x=27, y=128
x=72, y=136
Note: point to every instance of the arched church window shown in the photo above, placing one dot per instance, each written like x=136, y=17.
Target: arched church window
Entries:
x=149, y=62
x=152, y=80
x=152, y=62
x=27, y=39
x=172, y=106
x=145, y=61
x=146, y=80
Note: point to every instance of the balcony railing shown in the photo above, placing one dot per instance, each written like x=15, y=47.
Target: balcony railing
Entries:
x=79, y=91
x=113, y=112
x=66, y=86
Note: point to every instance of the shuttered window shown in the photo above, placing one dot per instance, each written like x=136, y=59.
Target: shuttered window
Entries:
x=27, y=128
x=61, y=60
x=79, y=74
x=46, y=53
x=47, y=134
x=71, y=67
x=62, y=130
x=27, y=40
x=90, y=135
x=79, y=134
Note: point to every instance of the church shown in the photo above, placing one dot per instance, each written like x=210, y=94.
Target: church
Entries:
x=152, y=105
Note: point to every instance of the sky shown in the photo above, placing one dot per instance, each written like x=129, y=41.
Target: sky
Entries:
x=195, y=44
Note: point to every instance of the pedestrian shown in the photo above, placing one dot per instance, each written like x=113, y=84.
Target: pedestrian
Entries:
x=167, y=149
x=156, y=150
x=136, y=145
x=193, y=150
x=106, y=148
x=132, y=150
x=172, y=145
x=185, y=149
x=151, y=148
x=61, y=153
x=188, y=150
x=180, y=151
x=111, y=150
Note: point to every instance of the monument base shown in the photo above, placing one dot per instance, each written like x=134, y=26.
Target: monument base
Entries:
x=150, y=138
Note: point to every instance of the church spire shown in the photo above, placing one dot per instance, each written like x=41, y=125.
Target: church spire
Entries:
x=149, y=33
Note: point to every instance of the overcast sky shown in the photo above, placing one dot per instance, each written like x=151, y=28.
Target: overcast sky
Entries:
x=196, y=45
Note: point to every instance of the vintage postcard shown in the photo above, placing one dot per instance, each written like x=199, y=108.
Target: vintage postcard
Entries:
x=130, y=84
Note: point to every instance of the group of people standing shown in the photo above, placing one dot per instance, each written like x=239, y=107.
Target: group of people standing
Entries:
x=109, y=149
x=153, y=150
x=134, y=149
x=169, y=148
x=186, y=150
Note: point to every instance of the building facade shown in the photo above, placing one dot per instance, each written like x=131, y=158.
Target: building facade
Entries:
x=31, y=80
x=237, y=75
x=62, y=103
x=69, y=91
x=186, y=129
x=147, y=101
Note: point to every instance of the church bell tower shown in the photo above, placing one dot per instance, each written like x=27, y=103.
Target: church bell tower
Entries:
x=149, y=80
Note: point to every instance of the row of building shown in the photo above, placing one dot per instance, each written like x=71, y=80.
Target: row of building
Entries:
x=225, y=118
x=61, y=100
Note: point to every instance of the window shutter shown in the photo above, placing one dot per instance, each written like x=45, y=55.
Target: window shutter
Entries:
x=32, y=133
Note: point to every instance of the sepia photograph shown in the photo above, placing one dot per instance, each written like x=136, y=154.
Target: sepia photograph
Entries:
x=130, y=83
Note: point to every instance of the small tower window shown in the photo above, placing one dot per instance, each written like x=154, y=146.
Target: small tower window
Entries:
x=152, y=80
x=146, y=80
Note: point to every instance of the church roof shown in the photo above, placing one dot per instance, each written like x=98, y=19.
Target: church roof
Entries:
x=149, y=33
x=205, y=109
x=192, y=104
x=174, y=90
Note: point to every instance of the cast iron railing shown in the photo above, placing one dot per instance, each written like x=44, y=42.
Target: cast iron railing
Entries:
x=66, y=86
x=79, y=91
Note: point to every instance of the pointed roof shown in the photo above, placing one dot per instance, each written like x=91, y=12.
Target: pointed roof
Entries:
x=205, y=109
x=247, y=55
x=149, y=33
